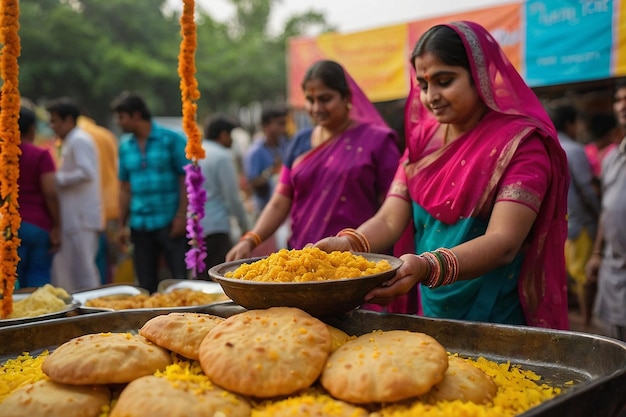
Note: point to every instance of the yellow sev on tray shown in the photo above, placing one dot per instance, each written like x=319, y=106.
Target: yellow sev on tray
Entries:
x=309, y=264
x=23, y=370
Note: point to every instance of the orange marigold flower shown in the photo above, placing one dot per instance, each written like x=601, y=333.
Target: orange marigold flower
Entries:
x=9, y=152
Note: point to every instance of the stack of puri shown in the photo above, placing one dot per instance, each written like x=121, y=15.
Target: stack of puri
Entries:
x=276, y=362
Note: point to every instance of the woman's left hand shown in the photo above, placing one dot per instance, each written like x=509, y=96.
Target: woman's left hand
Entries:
x=413, y=270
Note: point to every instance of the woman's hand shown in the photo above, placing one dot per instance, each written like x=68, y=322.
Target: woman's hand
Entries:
x=413, y=270
x=242, y=250
x=333, y=243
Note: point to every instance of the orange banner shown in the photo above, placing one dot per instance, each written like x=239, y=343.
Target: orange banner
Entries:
x=379, y=59
x=503, y=22
x=376, y=59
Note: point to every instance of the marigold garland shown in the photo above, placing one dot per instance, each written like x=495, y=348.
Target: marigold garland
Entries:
x=194, y=151
x=9, y=152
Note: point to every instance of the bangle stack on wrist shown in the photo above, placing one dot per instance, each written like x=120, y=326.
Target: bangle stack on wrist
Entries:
x=252, y=237
x=357, y=239
x=444, y=267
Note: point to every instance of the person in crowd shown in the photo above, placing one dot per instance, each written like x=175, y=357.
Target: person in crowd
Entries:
x=607, y=265
x=106, y=145
x=335, y=175
x=262, y=165
x=40, y=230
x=484, y=181
x=263, y=160
x=604, y=136
x=153, y=201
x=78, y=181
x=583, y=203
x=220, y=182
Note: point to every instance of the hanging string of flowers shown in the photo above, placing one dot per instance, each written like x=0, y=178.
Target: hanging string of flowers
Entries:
x=9, y=152
x=193, y=174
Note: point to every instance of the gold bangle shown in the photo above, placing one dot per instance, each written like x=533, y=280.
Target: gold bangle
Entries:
x=252, y=237
x=356, y=237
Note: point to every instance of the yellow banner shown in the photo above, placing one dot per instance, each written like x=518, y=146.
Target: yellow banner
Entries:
x=619, y=43
x=376, y=59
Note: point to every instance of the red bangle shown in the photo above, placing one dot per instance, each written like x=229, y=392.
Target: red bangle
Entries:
x=252, y=237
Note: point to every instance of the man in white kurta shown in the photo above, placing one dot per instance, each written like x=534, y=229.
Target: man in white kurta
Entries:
x=78, y=182
x=608, y=264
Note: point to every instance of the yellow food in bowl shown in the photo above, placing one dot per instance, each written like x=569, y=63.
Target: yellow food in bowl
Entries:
x=306, y=265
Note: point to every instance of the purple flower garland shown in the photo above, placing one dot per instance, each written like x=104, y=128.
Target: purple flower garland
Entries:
x=196, y=194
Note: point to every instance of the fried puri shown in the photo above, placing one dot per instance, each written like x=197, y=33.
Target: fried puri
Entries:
x=384, y=367
x=265, y=353
x=180, y=332
x=105, y=358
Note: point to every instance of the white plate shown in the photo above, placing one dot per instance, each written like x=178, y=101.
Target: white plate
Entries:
x=208, y=287
x=70, y=306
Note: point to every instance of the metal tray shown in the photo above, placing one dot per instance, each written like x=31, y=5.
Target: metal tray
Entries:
x=165, y=287
x=70, y=307
x=106, y=290
x=596, y=364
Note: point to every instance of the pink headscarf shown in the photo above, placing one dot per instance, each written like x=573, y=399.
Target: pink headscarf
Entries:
x=515, y=115
x=362, y=108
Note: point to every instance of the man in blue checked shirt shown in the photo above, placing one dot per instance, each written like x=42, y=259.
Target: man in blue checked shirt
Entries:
x=153, y=201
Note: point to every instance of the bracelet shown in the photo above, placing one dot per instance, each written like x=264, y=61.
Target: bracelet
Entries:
x=434, y=276
x=452, y=266
x=356, y=237
x=252, y=237
x=444, y=267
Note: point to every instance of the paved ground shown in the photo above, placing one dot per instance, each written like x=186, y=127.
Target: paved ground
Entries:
x=576, y=324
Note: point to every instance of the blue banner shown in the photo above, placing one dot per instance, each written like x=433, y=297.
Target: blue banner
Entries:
x=568, y=41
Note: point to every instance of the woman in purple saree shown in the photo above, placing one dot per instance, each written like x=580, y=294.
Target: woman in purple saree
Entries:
x=336, y=174
x=484, y=181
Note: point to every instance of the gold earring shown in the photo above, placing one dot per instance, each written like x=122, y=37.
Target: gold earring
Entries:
x=349, y=106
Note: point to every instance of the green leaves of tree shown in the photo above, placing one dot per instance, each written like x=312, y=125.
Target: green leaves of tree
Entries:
x=94, y=49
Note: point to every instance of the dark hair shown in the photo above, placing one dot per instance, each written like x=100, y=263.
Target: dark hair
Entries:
x=65, y=107
x=270, y=113
x=217, y=124
x=444, y=43
x=620, y=83
x=27, y=119
x=131, y=103
x=563, y=114
x=331, y=74
x=600, y=124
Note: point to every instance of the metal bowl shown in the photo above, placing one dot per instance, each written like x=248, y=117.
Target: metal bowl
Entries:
x=318, y=298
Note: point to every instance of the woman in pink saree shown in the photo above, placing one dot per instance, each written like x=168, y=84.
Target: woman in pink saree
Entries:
x=484, y=181
x=336, y=174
